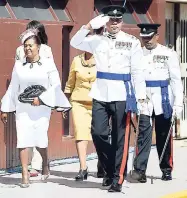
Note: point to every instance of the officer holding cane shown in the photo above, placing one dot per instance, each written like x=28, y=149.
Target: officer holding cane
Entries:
x=164, y=101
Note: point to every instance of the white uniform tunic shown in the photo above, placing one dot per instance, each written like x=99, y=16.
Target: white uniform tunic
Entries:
x=162, y=63
x=32, y=122
x=121, y=55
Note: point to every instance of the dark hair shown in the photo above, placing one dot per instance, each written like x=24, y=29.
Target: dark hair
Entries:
x=41, y=30
x=36, y=38
x=99, y=31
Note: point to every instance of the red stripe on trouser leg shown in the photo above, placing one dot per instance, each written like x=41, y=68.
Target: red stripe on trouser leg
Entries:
x=136, y=150
x=171, y=152
x=125, y=150
x=135, y=137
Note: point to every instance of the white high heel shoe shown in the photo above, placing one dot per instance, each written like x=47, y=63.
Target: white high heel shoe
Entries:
x=45, y=177
x=22, y=185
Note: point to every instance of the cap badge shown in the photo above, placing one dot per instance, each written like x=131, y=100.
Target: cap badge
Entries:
x=144, y=30
x=115, y=11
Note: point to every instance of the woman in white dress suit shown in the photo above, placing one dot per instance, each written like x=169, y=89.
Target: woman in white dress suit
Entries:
x=45, y=51
x=32, y=120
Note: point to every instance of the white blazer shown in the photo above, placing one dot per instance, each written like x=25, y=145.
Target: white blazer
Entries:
x=162, y=63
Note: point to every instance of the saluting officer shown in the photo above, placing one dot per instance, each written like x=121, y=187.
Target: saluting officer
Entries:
x=164, y=98
x=117, y=55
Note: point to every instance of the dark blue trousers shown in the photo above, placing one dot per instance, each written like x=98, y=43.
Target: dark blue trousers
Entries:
x=112, y=155
x=162, y=127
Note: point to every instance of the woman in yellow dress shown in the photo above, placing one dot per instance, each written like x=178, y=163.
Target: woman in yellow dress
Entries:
x=81, y=76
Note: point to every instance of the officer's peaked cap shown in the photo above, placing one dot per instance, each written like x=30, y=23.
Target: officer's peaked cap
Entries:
x=113, y=11
x=148, y=29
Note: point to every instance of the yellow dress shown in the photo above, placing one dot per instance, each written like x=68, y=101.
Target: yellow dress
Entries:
x=81, y=76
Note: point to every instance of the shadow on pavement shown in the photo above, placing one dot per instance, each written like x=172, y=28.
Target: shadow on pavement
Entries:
x=65, y=179
x=73, y=183
x=70, y=174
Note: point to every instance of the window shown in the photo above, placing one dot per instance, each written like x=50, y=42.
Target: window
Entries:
x=100, y=4
x=31, y=9
x=128, y=17
x=59, y=9
x=41, y=10
x=140, y=11
x=3, y=11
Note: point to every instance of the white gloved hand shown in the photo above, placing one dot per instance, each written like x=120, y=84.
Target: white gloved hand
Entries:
x=99, y=21
x=139, y=107
x=177, y=110
x=140, y=104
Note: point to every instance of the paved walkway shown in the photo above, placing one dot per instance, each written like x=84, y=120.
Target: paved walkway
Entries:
x=62, y=184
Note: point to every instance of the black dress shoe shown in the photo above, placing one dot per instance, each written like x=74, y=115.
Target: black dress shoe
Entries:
x=138, y=176
x=166, y=176
x=115, y=188
x=82, y=175
x=100, y=170
x=100, y=174
x=107, y=181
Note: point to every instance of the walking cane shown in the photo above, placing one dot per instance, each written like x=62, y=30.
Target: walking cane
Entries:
x=135, y=143
x=167, y=139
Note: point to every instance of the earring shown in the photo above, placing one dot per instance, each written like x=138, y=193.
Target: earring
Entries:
x=31, y=65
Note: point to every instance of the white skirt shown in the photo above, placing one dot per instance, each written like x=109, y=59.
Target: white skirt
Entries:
x=32, y=123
